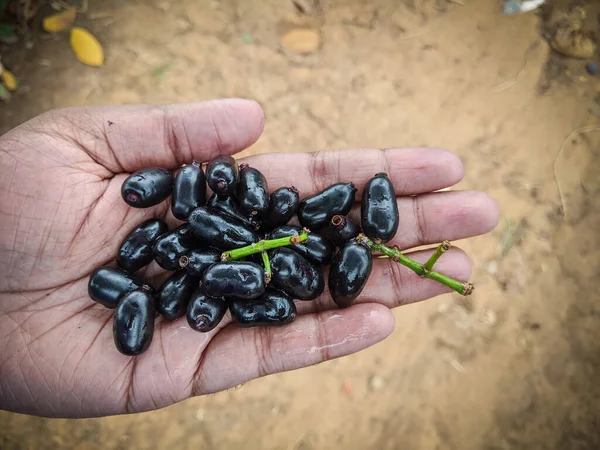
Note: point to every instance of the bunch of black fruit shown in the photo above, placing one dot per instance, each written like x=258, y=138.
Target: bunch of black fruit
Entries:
x=241, y=211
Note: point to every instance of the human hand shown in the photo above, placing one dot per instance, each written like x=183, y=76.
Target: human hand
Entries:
x=62, y=216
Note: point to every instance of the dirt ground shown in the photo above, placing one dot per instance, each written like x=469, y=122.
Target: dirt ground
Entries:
x=513, y=367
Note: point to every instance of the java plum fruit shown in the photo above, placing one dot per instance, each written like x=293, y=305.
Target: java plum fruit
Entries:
x=107, y=285
x=133, y=322
x=349, y=273
x=147, y=187
x=189, y=190
x=174, y=295
x=316, y=249
x=228, y=205
x=173, y=245
x=205, y=312
x=271, y=308
x=197, y=261
x=282, y=207
x=222, y=175
x=137, y=249
x=219, y=230
x=316, y=211
x=253, y=191
x=340, y=230
x=240, y=279
x=379, y=210
x=294, y=275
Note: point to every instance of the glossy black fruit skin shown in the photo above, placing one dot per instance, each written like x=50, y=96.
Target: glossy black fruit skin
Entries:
x=174, y=295
x=349, y=273
x=340, y=230
x=189, y=190
x=316, y=211
x=107, y=285
x=228, y=205
x=239, y=279
x=197, y=261
x=294, y=275
x=219, y=230
x=222, y=175
x=137, y=249
x=273, y=308
x=133, y=322
x=173, y=245
x=282, y=207
x=253, y=191
x=147, y=187
x=316, y=249
x=205, y=312
x=378, y=209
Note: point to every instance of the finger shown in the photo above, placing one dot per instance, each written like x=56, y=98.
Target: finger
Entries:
x=431, y=218
x=411, y=170
x=391, y=284
x=237, y=355
x=163, y=373
x=129, y=138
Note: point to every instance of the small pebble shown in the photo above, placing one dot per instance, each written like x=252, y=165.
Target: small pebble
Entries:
x=592, y=68
x=491, y=267
x=376, y=383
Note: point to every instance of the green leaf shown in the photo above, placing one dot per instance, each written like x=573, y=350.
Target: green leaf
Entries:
x=4, y=94
x=161, y=71
x=6, y=31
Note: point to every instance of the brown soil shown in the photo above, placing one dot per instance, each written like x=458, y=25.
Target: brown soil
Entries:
x=514, y=366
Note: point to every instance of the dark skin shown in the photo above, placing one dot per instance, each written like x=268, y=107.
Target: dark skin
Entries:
x=61, y=216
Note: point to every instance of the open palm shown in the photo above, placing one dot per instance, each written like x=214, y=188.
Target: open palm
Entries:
x=61, y=216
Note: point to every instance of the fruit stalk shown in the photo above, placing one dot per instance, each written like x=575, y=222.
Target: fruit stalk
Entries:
x=262, y=246
x=267, y=264
x=439, y=251
x=462, y=288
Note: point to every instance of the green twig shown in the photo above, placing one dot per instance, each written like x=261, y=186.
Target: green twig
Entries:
x=267, y=264
x=395, y=254
x=261, y=246
x=442, y=248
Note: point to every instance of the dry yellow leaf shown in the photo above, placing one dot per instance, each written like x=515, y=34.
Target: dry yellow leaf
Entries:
x=9, y=80
x=86, y=47
x=60, y=21
x=301, y=40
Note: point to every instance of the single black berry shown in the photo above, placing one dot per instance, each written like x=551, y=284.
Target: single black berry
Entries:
x=147, y=187
x=189, y=190
x=222, y=175
x=379, y=210
x=137, y=249
x=349, y=273
x=133, y=322
x=316, y=211
x=108, y=284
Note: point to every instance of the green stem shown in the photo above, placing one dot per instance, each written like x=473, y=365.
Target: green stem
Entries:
x=267, y=264
x=261, y=246
x=442, y=248
x=395, y=254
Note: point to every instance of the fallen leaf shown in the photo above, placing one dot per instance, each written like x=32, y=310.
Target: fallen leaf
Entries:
x=161, y=71
x=86, y=47
x=60, y=21
x=572, y=42
x=4, y=94
x=9, y=80
x=301, y=40
x=7, y=34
